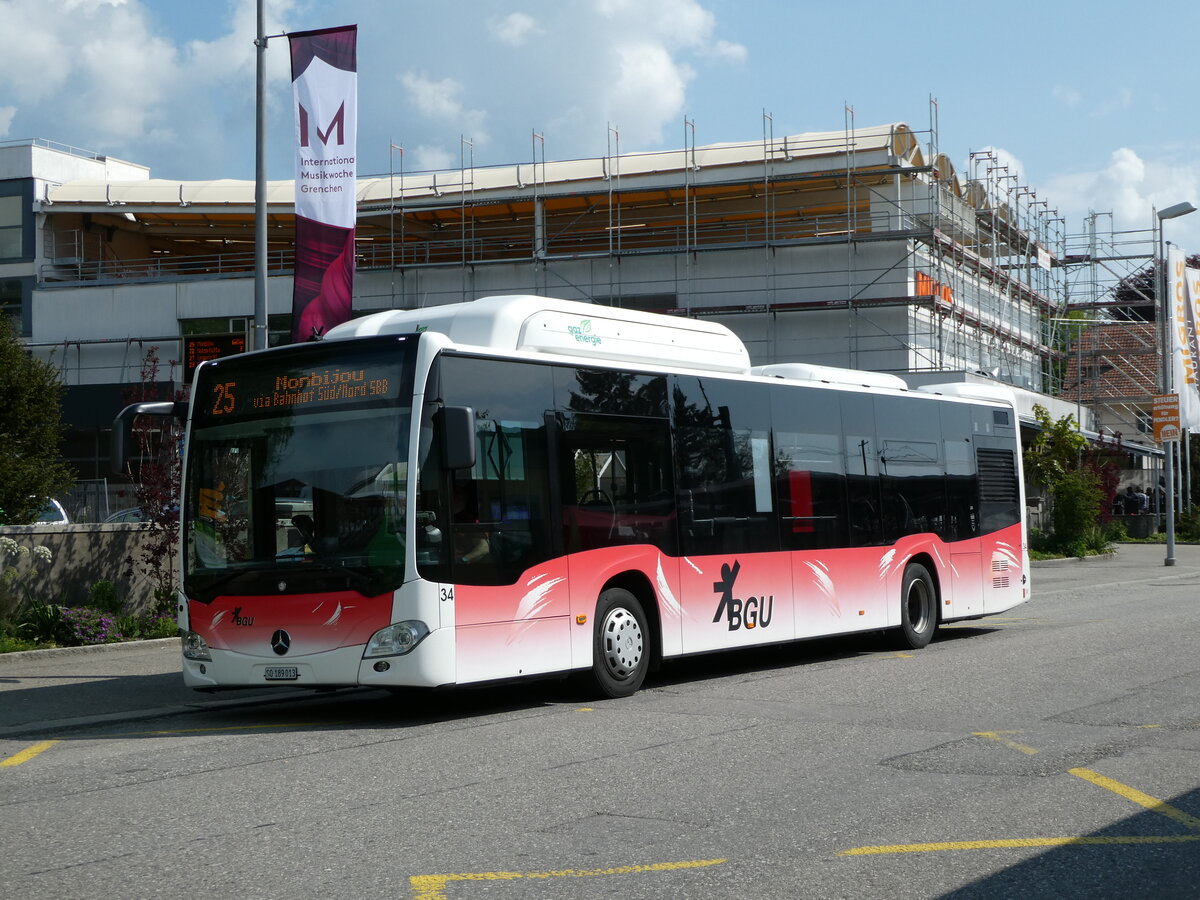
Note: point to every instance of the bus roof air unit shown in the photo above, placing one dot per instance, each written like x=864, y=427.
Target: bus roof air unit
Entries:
x=830, y=375
x=566, y=328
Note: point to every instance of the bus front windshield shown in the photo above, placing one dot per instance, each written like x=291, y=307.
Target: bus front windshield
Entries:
x=297, y=473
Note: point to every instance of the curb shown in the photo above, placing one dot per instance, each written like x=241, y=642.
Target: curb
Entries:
x=52, y=652
x=1066, y=560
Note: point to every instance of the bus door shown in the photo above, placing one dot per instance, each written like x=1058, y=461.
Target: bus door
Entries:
x=736, y=581
x=965, y=594
x=618, y=509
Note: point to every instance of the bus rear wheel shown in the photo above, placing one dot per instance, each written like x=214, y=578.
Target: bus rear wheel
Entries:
x=621, y=651
x=918, y=608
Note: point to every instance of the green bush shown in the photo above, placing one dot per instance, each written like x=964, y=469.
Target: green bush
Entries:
x=1114, y=532
x=42, y=622
x=1041, y=541
x=12, y=644
x=1188, y=526
x=1096, y=540
x=1076, y=509
x=103, y=596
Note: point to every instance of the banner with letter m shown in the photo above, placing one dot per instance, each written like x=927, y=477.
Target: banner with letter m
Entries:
x=325, y=93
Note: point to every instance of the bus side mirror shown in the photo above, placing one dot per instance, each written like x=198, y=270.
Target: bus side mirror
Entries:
x=118, y=454
x=458, y=437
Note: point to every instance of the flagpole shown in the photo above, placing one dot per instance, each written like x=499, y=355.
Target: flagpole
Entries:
x=260, y=185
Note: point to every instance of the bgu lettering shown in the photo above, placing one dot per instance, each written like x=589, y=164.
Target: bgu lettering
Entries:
x=752, y=612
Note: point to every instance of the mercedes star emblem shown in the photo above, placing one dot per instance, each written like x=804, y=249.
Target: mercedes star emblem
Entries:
x=281, y=641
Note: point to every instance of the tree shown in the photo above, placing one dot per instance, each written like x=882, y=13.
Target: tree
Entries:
x=31, y=431
x=1136, y=295
x=1060, y=460
x=157, y=480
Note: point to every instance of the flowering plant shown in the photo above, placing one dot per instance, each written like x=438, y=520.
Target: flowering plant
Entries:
x=13, y=590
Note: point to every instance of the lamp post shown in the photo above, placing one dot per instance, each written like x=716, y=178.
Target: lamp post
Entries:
x=1166, y=316
x=260, y=185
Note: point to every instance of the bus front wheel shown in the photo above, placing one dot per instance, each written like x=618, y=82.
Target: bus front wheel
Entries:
x=918, y=608
x=621, y=652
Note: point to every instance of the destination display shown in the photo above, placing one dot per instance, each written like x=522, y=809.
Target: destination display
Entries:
x=282, y=384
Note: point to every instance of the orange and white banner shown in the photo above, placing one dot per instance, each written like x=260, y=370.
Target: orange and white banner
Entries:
x=1184, y=292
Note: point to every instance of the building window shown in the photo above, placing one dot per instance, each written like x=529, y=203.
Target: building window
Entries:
x=12, y=226
x=12, y=303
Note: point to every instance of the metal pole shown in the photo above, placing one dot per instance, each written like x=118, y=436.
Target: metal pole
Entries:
x=1187, y=470
x=260, y=185
x=1164, y=314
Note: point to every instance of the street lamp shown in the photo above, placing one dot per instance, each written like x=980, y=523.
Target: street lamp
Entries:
x=1166, y=316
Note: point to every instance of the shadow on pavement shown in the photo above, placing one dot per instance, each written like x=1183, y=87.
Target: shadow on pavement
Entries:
x=1146, y=855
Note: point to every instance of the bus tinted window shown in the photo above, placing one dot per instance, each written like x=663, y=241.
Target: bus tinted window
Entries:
x=912, y=476
x=498, y=513
x=723, y=456
x=962, y=486
x=608, y=391
x=862, y=471
x=810, y=471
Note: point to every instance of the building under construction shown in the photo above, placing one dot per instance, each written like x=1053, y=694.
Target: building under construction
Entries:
x=863, y=248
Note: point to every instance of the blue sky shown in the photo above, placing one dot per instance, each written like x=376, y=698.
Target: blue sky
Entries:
x=1093, y=103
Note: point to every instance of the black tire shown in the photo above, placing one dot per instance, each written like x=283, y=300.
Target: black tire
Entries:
x=620, y=644
x=918, y=608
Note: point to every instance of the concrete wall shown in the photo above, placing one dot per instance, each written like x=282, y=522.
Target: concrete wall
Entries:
x=82, y=555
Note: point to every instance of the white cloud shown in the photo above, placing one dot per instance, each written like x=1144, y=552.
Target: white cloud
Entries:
x=674, y=23
x=735, y=53
x=172, y=86
x=994, y=166
x=1131, y=188
x=515, y=28
x=1121, y=100
x=439, y=99
x=1066, y=95
x=6, y=117
x=427, y=157
x=649, y=90
x=101, y=74
x=442, y=100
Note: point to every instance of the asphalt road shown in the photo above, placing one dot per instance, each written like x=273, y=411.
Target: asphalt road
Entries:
x=1050, y=752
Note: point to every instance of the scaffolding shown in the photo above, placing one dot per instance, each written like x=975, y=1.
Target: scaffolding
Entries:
x=862, y=247
x=1108, y=330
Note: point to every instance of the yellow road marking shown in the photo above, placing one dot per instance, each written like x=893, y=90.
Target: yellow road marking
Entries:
x=585, y=709
x=433, y=887
x=1151, y=803
x=1017, y=843
x=998, y=736
x=28, y=753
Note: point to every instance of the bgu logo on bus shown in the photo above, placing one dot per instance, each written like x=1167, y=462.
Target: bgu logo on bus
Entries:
x=751, y=612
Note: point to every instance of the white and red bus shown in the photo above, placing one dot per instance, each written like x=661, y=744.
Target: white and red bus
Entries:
x=520, y=486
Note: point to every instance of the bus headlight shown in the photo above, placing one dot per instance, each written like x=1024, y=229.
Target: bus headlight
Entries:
x=194, y=646
x=396, y=640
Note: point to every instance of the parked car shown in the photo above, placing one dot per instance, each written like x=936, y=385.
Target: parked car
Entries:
x=132, y=514
x=53, y=514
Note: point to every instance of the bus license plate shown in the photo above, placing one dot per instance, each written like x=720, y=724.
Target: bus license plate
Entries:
x=282, y=673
